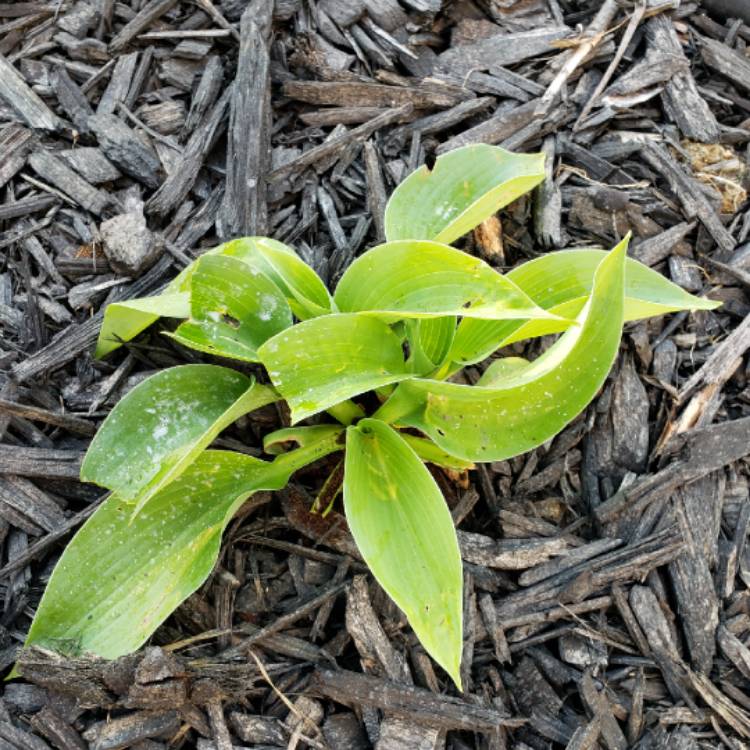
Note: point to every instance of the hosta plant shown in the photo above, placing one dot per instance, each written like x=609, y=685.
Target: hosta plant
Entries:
x=371, y=371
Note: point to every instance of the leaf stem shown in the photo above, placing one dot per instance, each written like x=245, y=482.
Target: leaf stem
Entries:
x=394, y=408
x=346, y=412
x=296, y=459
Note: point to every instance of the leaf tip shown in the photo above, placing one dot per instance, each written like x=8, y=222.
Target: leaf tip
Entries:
x=455, y=674
x=709, y=304
x=104, y=347
x=14, y=674
x=621, y=247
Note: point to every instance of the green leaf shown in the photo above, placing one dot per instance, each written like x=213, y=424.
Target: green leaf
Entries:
x=306, y=293
x=561, y=282
x=418, y=362
x=346, y=412
x=429, y=341
x=123, y=321
x=430, y=453
x=320, y=362
x=436, y=336
x=234, y=308
x=492, y=423
x=422, y=279
x=405, y=533
x=158, y=428
x=502, y=371
x=465, y=187
x=120, y=577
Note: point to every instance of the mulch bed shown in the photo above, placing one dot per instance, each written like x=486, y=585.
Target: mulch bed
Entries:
x=607, y=573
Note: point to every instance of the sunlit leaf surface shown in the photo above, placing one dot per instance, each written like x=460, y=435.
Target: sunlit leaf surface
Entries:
x=492, y=423
x=121, y=577
x=505, y=370
x=405, y=533
x=159, y=427
x=323, y=361
x=436, y=337
x=463, y=188
x=234, y=308
x=431, y=453
x=427, y=279
x=118, y=580
x=123, y=321
x=279, y=440
x=561, y=282
x=305, y=293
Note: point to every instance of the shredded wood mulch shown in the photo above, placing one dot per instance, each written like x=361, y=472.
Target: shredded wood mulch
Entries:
x=607, y=573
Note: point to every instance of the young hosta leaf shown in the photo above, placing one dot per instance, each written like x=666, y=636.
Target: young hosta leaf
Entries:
x=323, y=361
x=123, y=321
x=561, y=282
x=503, y=371
x=463, y=188
x=234, y=308
x=118, y=580
x=492, y=423
x=422, y=279
x=436, y=336
x=120, y=576
x=418, y=361
x=405, y=533
x=306, y=293
x=158, y=428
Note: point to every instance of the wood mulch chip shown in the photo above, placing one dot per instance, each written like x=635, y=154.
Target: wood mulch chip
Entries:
x=607, y=573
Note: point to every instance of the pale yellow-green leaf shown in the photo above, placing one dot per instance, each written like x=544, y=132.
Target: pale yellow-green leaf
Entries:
x=123, y=321
x=234, y=308
x=321, y=362
x=405, y=533
x=464, y=187
x=532, y=404
x=419, y=279
x=121, y=577
x=561, y=282
x=159, y=427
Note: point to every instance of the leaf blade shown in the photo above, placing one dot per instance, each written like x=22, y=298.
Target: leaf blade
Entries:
x=431, y=454
x=403, y=529
x=561, y=282
x=274, y=442
x=234, y=308
x=420, y=279
x=119, y=578
x=305, y=292
x=436, y=337
x=155, y=431
x=123, y=321
x=464, y=187
x=323, y=361
x=481, y=423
